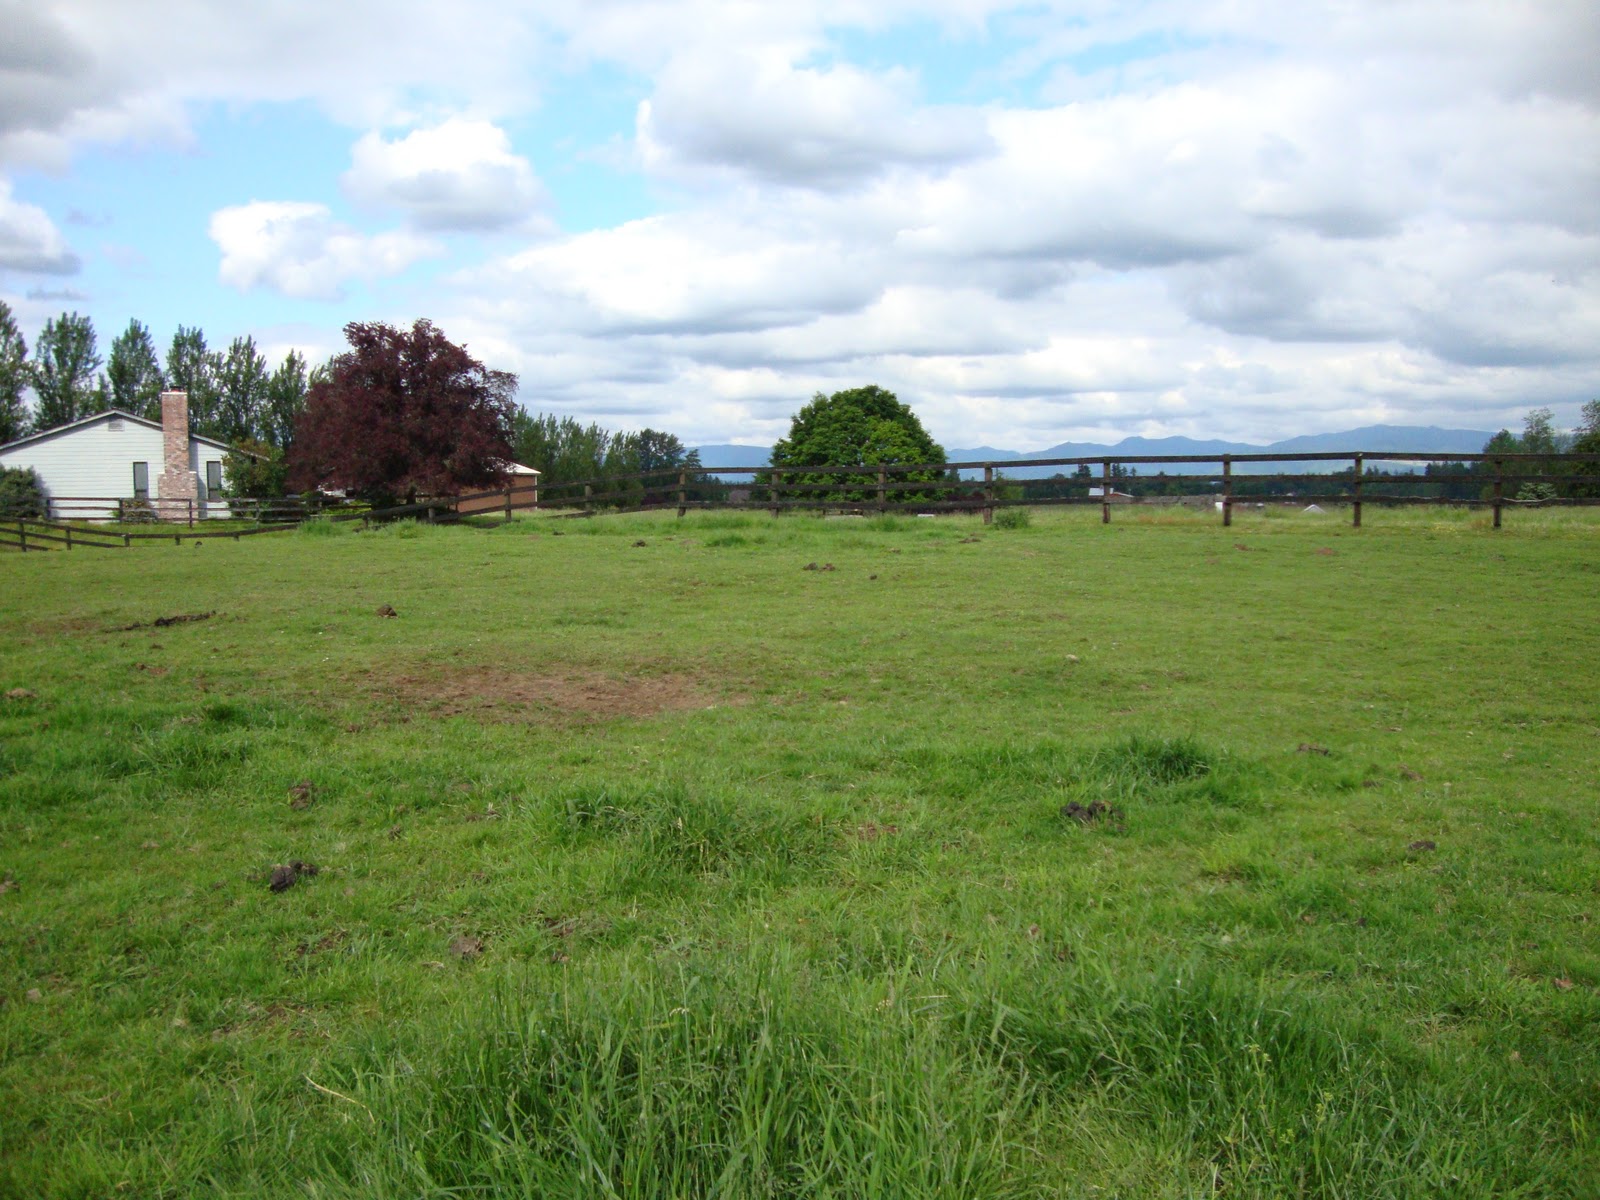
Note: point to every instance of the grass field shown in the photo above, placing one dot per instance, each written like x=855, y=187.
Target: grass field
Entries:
x=1149, y=860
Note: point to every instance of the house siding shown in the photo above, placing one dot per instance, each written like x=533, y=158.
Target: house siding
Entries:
x=96, y=460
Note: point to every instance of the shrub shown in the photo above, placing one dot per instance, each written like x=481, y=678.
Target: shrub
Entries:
x=1013, y=518
x=135, y=512
x=22, y=493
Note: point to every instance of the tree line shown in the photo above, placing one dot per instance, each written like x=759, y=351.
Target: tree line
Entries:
x=235, y=396
x=1438, y=480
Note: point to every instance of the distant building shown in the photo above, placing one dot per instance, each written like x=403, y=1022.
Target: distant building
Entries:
x=119, y=461
x=523, y=482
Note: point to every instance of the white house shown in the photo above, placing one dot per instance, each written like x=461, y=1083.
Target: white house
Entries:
x=117, y=457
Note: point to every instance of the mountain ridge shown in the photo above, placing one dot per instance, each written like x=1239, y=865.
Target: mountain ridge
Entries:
x=1390, y=439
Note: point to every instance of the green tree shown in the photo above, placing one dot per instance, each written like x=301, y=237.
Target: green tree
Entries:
x=255, y=469
x=192, y=368
x=861, y=426
x=241, y=392
x=13, y=377
x=134, y=378
x=1539, y=433
x=1586, y=440
x=561, y=448
x=63, y=371
x=285, y=401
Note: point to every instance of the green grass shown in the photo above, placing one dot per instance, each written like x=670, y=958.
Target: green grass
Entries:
x=676, y=869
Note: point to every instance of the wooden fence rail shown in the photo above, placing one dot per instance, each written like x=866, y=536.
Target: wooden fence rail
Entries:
x=871, y=488
x=881, y=488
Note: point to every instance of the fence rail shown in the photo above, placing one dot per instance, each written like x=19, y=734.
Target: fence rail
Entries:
x=882, y=488
x=926, y=487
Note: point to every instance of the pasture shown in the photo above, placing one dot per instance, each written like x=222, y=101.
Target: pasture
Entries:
x=1155, y=859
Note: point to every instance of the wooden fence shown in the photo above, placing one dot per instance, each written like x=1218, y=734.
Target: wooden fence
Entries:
x=885, y=488
x=124, y=510
x=935, y=488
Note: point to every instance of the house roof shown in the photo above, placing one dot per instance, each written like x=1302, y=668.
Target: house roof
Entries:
x=109, y=414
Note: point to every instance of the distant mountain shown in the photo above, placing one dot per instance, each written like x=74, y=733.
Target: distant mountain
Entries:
x=725, y=455
x=1418, y=439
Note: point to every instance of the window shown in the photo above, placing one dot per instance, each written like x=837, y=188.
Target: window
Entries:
x=141, y=481
x=213, y=478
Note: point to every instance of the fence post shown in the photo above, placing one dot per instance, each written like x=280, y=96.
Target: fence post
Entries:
x=883, y=494
x=508, y=506
x=127, y=540
x=1105, y=492
x=22, y=536
x=588, y=495
x=190, y=503
x=1227, y=489
x=988, y=494
x=1499, y=489
x=777, y=480
x=683, y=483
x=69, y=537
x=1355, y=517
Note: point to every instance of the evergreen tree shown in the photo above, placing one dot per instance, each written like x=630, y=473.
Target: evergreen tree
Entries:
x=133, y=377
x=285, y=401
x=13, y=377
x=193, y=369
x=63, y=371
x=241, y=392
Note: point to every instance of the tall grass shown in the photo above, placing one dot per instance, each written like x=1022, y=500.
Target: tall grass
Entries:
x=758, y=1075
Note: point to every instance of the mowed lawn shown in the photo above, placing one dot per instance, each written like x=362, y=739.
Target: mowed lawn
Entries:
x=1150, y=860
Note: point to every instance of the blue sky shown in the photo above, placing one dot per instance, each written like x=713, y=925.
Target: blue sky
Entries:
x=1035, y=222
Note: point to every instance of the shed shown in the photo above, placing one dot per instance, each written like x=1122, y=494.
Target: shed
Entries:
x=524, y=484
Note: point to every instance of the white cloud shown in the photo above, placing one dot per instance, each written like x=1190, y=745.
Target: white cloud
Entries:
x=458, y=175
x=298, y=249
x=683, y=274
x=29, y=240
x=808, y=126
x=1234, y=217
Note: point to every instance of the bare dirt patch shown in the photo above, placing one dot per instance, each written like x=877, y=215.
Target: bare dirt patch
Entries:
x=496, y=694
x=165, y=622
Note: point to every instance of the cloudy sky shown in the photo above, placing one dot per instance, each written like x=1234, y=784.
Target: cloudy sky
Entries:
x=1035, y=222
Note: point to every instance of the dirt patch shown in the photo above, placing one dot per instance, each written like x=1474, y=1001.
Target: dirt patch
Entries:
x=495, y=694
x=285, y=876
x=164, y=622
x=1095, y=812
x=466, y=947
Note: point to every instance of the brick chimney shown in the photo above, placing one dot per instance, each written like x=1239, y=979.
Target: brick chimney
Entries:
x=178, y=482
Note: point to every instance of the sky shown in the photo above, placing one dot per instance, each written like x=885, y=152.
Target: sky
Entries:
x=1034, y=222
